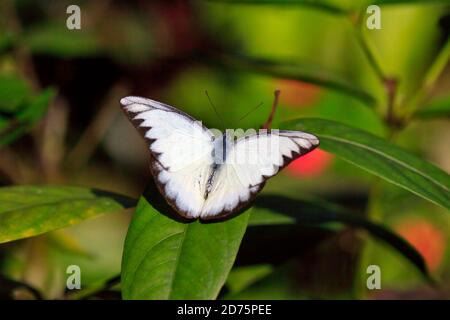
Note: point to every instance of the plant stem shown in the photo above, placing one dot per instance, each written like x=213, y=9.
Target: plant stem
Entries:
x=429, y=81
x=368, y=49
x=390, y=85
x=96, y=130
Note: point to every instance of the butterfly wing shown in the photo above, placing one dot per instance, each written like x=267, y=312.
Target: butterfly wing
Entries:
x=251, y=161
x=181, y=151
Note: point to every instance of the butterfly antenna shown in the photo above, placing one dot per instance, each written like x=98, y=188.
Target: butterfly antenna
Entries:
x=212, y=105
x=254, y=109
x=268, y=123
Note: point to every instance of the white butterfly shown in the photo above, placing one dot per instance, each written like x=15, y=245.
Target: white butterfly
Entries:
x=206, y=176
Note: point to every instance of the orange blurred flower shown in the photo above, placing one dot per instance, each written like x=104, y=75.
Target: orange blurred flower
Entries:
x=296, y=93
x=311, y=164
x=425, y=238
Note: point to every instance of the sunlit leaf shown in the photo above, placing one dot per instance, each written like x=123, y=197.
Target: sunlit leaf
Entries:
x=27, y=211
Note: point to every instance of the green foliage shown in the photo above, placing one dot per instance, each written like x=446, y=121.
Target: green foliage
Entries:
x=13, y=92
x=27, y=211
x=19, y=109
x=304, y=42
x=54, y=38
x=30, y=112
x=437, y=109
x=381, y=158
x=166, y=259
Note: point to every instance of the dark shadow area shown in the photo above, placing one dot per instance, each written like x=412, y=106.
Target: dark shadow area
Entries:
x=126, y=202
x=311, y=260
x=275, y=244
x=307, y=213
x=8, y=288
x=157, y=201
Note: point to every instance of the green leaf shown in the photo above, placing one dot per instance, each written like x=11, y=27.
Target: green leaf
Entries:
x=379, y=157
x=440, y=108
x=281, y=210
x=167, y=259
x=27, y=211
x=6, y=40
x=243, y=277
x=54, y=38
x=306, y=72
x=23, y=121
x=13, y=91
x=279, y=284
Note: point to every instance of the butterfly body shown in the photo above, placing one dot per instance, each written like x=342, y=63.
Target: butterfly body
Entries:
x=206, y=176
x=210, y=181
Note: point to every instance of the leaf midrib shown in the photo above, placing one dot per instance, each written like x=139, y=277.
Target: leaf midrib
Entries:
x=176, y=262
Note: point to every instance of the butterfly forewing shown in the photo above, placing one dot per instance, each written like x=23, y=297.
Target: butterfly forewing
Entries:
x=181, y=149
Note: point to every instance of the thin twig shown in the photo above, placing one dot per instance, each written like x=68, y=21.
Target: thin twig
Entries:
x=21, y=52
x=268, y=123
x=51, y=138
x=391, y=85
x=429, y=80
x=96, y=130
x=367, y=48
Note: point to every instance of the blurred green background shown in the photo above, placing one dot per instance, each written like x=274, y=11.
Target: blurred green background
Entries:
x=61, y=123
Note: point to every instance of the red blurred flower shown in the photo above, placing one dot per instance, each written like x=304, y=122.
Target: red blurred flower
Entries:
x=296, y=93
x=311, y=164
x=426, y=238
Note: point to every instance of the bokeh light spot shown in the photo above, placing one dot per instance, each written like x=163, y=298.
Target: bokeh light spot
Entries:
x=426, y=238
x=311, y=164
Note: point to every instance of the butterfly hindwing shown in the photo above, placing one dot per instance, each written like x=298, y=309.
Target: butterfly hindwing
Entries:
x=251, y=161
